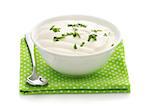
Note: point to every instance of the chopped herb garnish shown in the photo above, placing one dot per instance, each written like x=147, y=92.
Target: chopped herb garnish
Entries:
x=81, y=25
x=63, y=35
x=75, y=46
x=75, y=29
x=70, y=25
x=82, y=44
x=96, y=31
x=71, y=33
x=58, y=38
x=75, y=34
x=52, y=27
x=92, y=36
x=112, y=44
x=105, y=34
x=55, y=29
x=77, y=25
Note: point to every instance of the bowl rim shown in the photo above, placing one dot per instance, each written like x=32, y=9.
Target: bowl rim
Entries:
x=73, y=55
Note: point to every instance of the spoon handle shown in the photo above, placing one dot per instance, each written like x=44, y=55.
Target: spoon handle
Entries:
x=31, y=50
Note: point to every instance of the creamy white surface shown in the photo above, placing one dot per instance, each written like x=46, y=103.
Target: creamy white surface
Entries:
x=65, y=46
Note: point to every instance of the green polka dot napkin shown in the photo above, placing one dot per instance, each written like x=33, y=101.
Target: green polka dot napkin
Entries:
x=112, y=78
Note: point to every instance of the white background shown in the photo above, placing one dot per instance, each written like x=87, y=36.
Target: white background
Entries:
x=131, y=17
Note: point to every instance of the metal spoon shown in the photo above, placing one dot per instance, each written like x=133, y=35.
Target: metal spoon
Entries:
x=33, y=79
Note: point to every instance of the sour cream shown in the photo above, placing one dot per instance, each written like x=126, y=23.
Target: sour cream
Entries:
x=79, y=44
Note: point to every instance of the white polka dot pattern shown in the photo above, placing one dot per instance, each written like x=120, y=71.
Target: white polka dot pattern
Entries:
x=112, y=78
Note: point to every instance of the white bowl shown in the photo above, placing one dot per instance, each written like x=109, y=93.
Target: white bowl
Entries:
x=71, y=64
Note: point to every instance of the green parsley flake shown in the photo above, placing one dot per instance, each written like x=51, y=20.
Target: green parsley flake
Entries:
x=92, y=36
x=96, y=30
x=55, y=29
x=75, y=34
x=75, y=29
x=105, y=34
x=75, y=46
x=77, y=25
x=81, y=25
x=112, y=44
x=58, y=38
x=82, y=44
